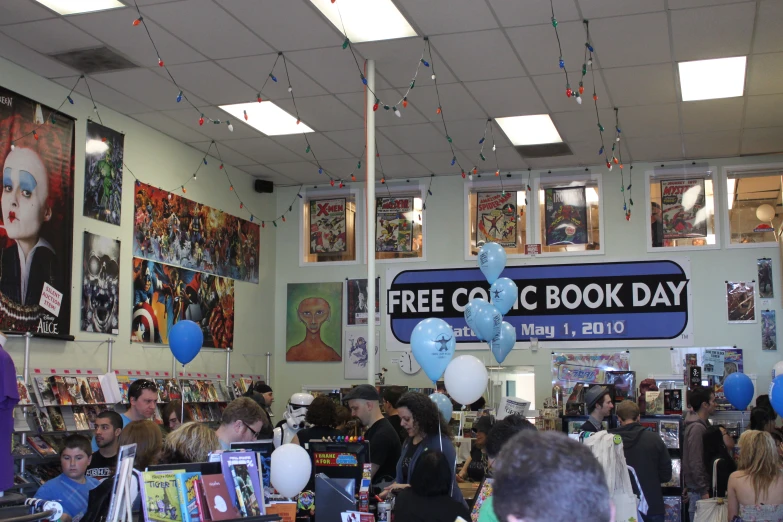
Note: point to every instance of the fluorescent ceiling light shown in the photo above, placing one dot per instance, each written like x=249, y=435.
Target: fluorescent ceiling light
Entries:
x=69, y=7
x=266, y=117
x=712, y=79
x=530, y=130
x=366, y=20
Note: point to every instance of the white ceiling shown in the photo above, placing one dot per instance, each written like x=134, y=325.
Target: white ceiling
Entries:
x=493, y=58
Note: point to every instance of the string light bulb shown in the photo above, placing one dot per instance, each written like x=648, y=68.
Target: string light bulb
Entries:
x=290, y=89
x=569, y=92
x=581, y=88
x=383, y=180
x=184, y=190
x=136, y=22
x=283, y=218
x=433, y=76
x=274, y=79
x=589, y=47
x=258, y=97
x=35, y=134
x=298, y=121
x=331, y=182
x=179, y=97
x=470, y=177
x=405, y=102
x=201, y=120
x=274, y=223
x=320, y=171
x=241, y=205
x=397, y=112
x=230, y=127
x=481, y=155
x=364, y=80
x=221, y=166
x=205, y=160
x=578, y=99
x=375, y=106
x=341, y=184
x=453, y=161
x=561, y=63
x=595, y=97
x=353, y=177
x=245, y=113
x=425, y=62
x=263, y=224
x=497, y=173
x=307, y=150
x=463, y=174
x=160, y=62
x=345, y=43
x=70, y=100
x=554, y=22
x=439, y=110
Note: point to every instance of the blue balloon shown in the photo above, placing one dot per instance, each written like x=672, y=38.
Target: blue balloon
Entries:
x=776, y=394
x=503, y=293
x=738, y=389
x=444, y=405
x=471, y=312
x=504, y=343
x=488, y=323
x=185, y=341
x=433, y=345
x=492, y=261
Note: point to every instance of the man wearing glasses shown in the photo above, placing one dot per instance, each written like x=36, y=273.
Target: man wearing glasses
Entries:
x=242, y=421
x=143, y=397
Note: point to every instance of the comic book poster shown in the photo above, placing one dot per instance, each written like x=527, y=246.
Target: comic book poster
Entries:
x=393, y=224
x=565, y=216
x=572, y=371
x=769, y=330
x=732, y=363
x=682, y=202
x=356, y=351
x=764, y=267
x=164, y=295
x=356, y=303
x=496, y=218
x=36, y=235
x=170, y=229
x=314, y=322
x=741, y=302
x=327, y=226
x=100, y=284
x=103, y=159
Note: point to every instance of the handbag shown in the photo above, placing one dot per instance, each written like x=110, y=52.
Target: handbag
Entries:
x=714, y=509
x=608, y=450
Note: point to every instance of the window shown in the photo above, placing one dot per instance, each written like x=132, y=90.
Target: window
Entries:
x=681, y=203
x=399, y=226
x=329, y=228
x=569, y=213
x=496, y=213
x=753, y=203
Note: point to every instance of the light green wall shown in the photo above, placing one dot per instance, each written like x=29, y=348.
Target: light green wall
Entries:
x=161, y=161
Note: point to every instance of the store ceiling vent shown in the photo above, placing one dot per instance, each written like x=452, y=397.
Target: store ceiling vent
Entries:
x=95, y=60
x=544, y=150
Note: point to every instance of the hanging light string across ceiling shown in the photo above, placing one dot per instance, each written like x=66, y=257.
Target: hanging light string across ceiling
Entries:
x=50, y=118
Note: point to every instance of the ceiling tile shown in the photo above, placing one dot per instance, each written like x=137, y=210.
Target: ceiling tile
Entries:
x=537, y=47
x=532, y=12
x=398, y=60
x=712, y=144
x=644, y=85
x=295, y=170
x=210, y=82
x=50, y=36
x=769, y=38
x=264, y=172
x=104, y=95
x=207, y=28
x=263, y=150
x=264, y=18
x=712, y=115
x=333, y=68
x=764, y=111
x=507, y=159
x=255, y=71
x=582, y=125
x=32, y=60
x=416, y=138
x=226, y=154
x=188, y=116
x=631, y=40
x=113, y=28
x=656, y=149
x=383, y=118
x=466, y=134
x=456, y=103
x=322, y=147
x=448, y=16
x=483, y=55
x=440, y=162
x=147, y=87
x=338, y=169
x=553, y=88
x=713, y=32
x=611, y=8
x=648, y=120
x=402, y=166
x=178, y=131
x=765, y=74
x=687, y=4
x=323, y=113
x=507, y=97
x=353, y=140
x=762, y=141
x=554, y=163
x=18, y=11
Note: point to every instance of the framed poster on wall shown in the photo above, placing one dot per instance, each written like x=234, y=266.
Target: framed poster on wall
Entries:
x=393, y=224
x=103, y=163
x=683, y=213
x=565, y=216
x=496, y=218
x=327, y=226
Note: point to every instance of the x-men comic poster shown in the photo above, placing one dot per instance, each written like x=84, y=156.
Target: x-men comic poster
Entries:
x=565, y=216
x=394, y=224
x=103, y=157
x=100, y=284
x=682, y=203
x=36, y=236
x=171, y=229
x=164, y=295
x=496, y=218
x=327, y=226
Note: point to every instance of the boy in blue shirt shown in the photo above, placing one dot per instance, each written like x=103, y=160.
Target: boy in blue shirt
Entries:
x=72, y=488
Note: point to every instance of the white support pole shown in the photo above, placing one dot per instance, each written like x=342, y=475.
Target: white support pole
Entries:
x=370, y=218
x=268, y=376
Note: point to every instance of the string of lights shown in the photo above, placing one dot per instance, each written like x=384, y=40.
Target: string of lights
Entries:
x=50, y=117
x=561, y=62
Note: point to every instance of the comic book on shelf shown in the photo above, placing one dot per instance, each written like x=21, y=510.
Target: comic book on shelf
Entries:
x=654, y=402
x=123, y=381
x=653, y=426
x=42, y=421
x=42, y=473
x=97, y=392
x=80, y=418
x=60, y=390
x=20, y=450
x=163, y=393
x=86, y=391
x=211, y=391
x=172, y=389
x=672, y=509
x=249, y=460
x=74, y=390
x=670, y=433
x=92, y=412
x=43, y=391
x=55, y=440
x=40, y=446
x=247, y=495
x=187, y=496
x=624, y=385
x=24, y=392
x=672, y=402
x=56, y=417
x=675, y=480
x=222, y=393
x=219, y=501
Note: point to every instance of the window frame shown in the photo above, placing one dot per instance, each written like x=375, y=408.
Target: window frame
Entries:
x=684, y=172
x=310, y=194
x=743, y=171
x=401, y=190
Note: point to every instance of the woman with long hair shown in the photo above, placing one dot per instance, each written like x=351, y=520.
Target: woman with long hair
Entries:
x=429, y=497
x=322, y=417
x=191, y=442
x=716, y=449
x=756, y=489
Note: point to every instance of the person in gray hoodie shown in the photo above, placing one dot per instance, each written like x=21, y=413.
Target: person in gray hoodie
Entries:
x=694, y=469
x=646, y=453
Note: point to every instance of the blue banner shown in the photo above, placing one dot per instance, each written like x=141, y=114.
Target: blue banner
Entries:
x=642, y=303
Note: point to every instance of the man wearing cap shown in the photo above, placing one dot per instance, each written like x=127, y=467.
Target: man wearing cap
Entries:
x=364, y=402
x=599, y=404
x=263, y=395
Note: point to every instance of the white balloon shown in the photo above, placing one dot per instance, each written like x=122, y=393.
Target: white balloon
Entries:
x=466, y=379
x=290, y=470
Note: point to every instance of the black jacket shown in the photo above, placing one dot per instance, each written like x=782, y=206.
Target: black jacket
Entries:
x=410, y=507
x=646, y=453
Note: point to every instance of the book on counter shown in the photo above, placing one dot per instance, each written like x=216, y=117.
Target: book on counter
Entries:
x=186, y=486
x=249, y=477
x=654, y=403
x=218, y=500
x=160, y=496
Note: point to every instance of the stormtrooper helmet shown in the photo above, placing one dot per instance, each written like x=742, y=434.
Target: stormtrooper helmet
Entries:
x=297, y=409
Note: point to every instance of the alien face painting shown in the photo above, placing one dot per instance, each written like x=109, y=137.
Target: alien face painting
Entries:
x=100, y=284
x=356, y=350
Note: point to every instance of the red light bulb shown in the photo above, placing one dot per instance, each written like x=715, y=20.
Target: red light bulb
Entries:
x=463, y=174
x=438, y=111
x=201, y=121
x=332, y=182
x=283, y=219
x=263, y=225
x=259, y=99
x=160, y=62
x=405, y=102
x=241, y=205
x=475, y=170
x=353, y=178
x=595, y=97
x=569, y=92
x=221, y=166
x=581, y=89
x=608, y=164
x=35, y=135
x=383, y=180
x=136, y=22
x=103, y=140
x=375, y=107
x=497, y=173
x=616, y=161
x=621, y=165
x=245, y=115
x=341, y=184
x=298, y=121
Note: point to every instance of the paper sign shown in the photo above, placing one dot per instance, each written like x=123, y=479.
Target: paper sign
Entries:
x=512, y=406
x=712, y=363
x=532, y=249
x=51, y=299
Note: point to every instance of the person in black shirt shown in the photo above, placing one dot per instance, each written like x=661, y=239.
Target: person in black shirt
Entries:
x=108, y=426
x=322, y=418
x=598, y=401
x=390, y=397
x=428, y=499
x=715, y=450
x=364, y=402
x=475, y=466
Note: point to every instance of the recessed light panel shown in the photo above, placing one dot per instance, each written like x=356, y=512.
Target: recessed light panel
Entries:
x=366, y=20
x=267, y=118
x=712, y=79
x=530, y=130
x=69, y=7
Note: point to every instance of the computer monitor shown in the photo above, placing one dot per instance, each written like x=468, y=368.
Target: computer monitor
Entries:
x=340, y=459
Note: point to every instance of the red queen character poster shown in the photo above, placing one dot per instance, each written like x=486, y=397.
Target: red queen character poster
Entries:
x=36, y=238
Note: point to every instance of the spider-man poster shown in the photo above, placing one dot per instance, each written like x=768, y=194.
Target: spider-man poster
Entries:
x=164, y=295
x=36, y=234
x=566, y=216
x=496, y=218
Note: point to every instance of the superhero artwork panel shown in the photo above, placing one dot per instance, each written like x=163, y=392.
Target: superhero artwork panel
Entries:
x=565, y=216
x=100, y=284
x=327, y=226
x=394, y=224
x=170, y=229
x=684, y=209
x=103, y=162
x=164, y=295
x=496, y=218
x=36, y=235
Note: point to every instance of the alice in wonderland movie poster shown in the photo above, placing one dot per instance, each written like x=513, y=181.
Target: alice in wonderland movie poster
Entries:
x=36, y=238
x=100, y=284
x=103, y=158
